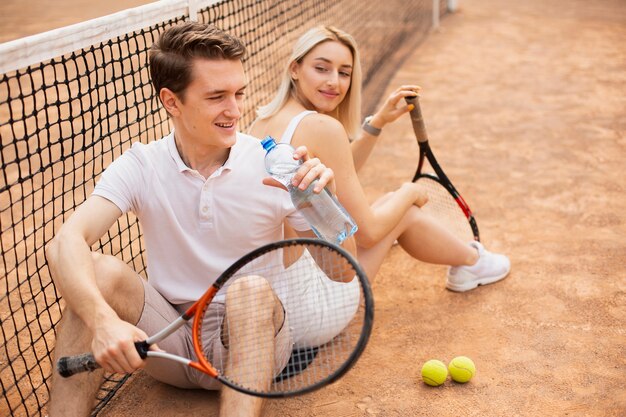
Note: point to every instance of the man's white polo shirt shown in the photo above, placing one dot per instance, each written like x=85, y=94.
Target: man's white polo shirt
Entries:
x=194, y=228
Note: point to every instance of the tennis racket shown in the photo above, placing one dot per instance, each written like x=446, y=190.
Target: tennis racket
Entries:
x=327, y=308
x=444, y=201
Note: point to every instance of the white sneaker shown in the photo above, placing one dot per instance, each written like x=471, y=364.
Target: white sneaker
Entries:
x=489, y=268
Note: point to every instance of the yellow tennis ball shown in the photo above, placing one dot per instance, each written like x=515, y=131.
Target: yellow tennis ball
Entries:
x=434, y=372
x=462, y=369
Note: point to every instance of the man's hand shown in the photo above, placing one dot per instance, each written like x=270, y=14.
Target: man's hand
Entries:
x=113, y=346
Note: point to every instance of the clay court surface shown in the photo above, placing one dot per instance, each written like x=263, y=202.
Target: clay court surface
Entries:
x=525, y=103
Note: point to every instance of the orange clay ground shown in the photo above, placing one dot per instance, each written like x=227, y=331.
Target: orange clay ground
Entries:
x=525, y=103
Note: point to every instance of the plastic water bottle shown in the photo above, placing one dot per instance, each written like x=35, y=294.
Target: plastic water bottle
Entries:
x=327, y=218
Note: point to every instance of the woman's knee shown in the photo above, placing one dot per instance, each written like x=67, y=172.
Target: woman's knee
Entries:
x=414, y=216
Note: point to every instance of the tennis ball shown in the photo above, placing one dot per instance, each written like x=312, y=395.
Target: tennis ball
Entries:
x=434, y=373
x=462, y=369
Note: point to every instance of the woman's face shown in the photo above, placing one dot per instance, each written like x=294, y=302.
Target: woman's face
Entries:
x=323, y=77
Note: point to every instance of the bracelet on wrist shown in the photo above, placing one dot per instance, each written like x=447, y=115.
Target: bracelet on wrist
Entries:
x=368, y=128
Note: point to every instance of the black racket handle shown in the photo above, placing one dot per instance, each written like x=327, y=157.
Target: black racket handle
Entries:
x=72, y=365
x=416, y=118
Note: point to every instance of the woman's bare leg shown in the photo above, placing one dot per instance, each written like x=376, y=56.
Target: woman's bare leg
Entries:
x=423, y=238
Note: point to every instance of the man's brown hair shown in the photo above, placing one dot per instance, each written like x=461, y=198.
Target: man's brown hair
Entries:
x=171, y=56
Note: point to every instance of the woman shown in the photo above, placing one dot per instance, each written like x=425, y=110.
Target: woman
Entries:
x=318, y=106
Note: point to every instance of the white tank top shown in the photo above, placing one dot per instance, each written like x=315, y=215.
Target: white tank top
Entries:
x=293, y=125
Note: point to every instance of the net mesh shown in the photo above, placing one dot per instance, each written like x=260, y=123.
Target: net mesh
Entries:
x=63, y=120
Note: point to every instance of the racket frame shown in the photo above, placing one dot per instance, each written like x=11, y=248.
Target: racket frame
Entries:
x=426, y=153
x=196, y=311
x=368, y=318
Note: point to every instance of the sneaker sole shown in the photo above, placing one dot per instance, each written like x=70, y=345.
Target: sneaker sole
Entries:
x=473, y=284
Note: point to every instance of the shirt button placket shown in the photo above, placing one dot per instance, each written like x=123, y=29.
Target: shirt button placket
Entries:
x=204, y=203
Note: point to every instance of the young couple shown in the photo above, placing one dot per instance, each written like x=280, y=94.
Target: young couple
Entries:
x=203, y=200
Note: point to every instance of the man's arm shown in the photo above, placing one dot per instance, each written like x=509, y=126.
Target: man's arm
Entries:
x=71, y=265
x=70, y=261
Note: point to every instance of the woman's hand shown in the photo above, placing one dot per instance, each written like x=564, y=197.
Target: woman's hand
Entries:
x=392, y=108
x=420, y=196
x=311, y=169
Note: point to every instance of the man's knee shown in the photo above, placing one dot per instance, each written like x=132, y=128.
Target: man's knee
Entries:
x=253, y=285
x=251, y=292
x=114, y=278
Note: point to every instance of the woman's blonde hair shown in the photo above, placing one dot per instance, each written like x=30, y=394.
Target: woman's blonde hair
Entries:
x=349, y=110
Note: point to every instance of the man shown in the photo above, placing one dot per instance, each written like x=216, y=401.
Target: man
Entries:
x=202, y=201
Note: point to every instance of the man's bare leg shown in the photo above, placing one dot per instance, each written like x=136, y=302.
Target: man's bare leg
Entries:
x=123, y=290
x=244, y=330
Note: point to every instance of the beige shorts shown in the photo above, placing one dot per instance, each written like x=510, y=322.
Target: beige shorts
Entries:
x=158, y=313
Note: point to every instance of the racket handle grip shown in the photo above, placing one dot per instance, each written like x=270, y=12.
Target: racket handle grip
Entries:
x=416, y=118
x=71, y=365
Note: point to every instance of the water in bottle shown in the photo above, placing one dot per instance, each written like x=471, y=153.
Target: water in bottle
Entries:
x=326, y=216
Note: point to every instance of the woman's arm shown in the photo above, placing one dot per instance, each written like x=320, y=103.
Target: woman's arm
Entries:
x=327, y=140
x=389, y=112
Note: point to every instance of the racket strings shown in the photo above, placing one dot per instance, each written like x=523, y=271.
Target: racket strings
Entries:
x=291, y=320
x=443, y=207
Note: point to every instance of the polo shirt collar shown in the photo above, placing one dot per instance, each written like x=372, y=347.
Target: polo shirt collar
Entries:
x=235, y=150
x=171, y=146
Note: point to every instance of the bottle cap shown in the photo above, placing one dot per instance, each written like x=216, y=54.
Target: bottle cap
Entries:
x=268, y=143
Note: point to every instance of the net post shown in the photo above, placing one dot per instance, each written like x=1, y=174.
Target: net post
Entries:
x=193, y=7
x=435, y=14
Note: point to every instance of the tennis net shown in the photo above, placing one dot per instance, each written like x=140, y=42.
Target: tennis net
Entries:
x=73, y=99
